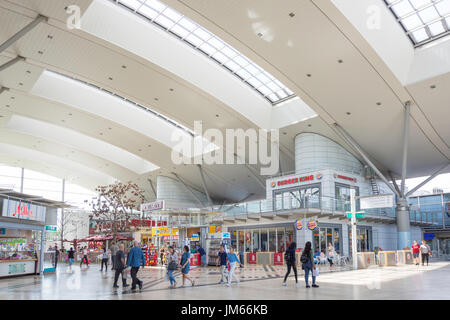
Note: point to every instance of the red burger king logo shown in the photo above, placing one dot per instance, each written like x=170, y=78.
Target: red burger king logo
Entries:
x=273, y=184
x=319, y=176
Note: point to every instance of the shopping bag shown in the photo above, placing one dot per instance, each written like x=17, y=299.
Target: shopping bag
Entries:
x=316, y=272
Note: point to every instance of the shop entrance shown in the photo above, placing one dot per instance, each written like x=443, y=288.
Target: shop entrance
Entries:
x=324, y=236
x=364, y=238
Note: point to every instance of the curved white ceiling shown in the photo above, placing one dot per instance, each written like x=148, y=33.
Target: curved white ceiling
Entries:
x=41, y=157
x=80, y=141
x=87, y=98
x=121, y=27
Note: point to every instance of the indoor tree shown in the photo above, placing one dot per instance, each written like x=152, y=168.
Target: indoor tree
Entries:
x=115, y=204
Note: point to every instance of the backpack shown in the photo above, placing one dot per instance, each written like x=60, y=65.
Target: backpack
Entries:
x=304, y=258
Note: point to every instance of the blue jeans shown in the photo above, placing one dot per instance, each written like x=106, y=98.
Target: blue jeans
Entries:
x=203, y=260
x=171, y=277
x=307, y=270
x=70, y=262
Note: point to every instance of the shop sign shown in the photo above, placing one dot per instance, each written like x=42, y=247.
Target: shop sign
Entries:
x=428, y=236
x=215, y=229
x=226, y=235
x=51, y=228
x=312, y=225
x=151, y=206
x=292, y=181
x=378, y=201
x=338, y=176
x=299, y=224
x=23, y=210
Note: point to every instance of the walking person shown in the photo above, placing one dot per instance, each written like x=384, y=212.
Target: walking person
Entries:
x=71, y=257
x=330, y=255
x=85, y=257
x=289, y=257
x=185, y=265
x=172, y=265
x=416, y=251
x=114, y=248
x=105, y=256
x=232, y=259
x=135, y=260
x=308, y=265
x=425, y=250
x=202, y=255
x=222, y=263
x=56, y=256
x=119, y=267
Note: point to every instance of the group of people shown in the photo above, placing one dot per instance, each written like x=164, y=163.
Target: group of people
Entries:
x=308, y=264
x=321, y=258
x=424, y=250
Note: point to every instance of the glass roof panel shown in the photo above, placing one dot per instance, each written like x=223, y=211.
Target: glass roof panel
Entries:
x=205, y=41
x=423, y=20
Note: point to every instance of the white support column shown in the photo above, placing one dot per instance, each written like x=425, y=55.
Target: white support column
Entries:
x=354, y=240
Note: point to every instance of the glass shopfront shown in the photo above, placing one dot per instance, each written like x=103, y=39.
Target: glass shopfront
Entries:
x=297, y=197
x=273, y=238
x=364, y=238
x=342, y=196
x=324, y=235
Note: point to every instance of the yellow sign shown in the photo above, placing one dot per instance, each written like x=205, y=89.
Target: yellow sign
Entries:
x=215, y=229
x=164, y=231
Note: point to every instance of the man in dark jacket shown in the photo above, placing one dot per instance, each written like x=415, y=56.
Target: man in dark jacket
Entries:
x=119, y=267
x=135, y=260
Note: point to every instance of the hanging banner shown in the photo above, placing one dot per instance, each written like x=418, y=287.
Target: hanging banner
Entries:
x=378, y=201
x=151, y=206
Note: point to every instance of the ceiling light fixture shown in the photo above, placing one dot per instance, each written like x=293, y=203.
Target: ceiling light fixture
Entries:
x=291, y=14
x=348, y=113
x=433, y=86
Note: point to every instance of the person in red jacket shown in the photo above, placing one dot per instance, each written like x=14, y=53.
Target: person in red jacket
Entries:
x=416, y=251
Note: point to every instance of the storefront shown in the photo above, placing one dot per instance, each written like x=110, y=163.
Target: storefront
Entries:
x=262, y=238
x=22, y=232
x=327, y=234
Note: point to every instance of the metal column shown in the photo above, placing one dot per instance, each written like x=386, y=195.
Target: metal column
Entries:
x=41, y=258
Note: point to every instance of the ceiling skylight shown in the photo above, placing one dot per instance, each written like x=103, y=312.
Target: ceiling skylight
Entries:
x=423, y=20
x=212, y=46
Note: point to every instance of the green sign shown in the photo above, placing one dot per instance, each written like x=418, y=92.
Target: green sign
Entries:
x=358, y=215
x=50, y=228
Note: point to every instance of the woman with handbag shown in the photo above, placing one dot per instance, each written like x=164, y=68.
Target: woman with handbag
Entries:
x=172, y=265
x=308, y=265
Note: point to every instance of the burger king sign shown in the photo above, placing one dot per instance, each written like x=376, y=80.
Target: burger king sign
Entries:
x=298, y=224
x=312, y=225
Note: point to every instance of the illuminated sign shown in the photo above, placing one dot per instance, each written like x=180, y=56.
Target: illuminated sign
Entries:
x=23, y=210
x=312, y=225
x=299, y=225
x=292, y=181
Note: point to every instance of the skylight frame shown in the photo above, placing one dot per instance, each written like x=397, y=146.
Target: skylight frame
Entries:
x=221, y=52
x=443, y=18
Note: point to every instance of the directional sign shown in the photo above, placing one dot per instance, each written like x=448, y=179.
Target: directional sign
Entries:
x=51, y=228
x=358, y=215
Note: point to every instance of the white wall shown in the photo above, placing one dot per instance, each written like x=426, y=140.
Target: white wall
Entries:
x=176, y=195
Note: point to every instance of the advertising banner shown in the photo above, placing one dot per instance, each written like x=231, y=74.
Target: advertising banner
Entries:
x=23, y=210
x=378, y=201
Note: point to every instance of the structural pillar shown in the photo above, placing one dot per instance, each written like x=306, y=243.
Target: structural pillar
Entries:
x=403, y=224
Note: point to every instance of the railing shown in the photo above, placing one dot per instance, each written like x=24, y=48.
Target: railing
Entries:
x=322, y=205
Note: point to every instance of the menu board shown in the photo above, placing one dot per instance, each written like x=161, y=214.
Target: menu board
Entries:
x=23, y=210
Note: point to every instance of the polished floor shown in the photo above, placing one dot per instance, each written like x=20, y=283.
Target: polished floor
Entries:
x=257, y=282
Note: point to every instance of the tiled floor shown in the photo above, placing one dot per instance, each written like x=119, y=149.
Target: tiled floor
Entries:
x=257, y=282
